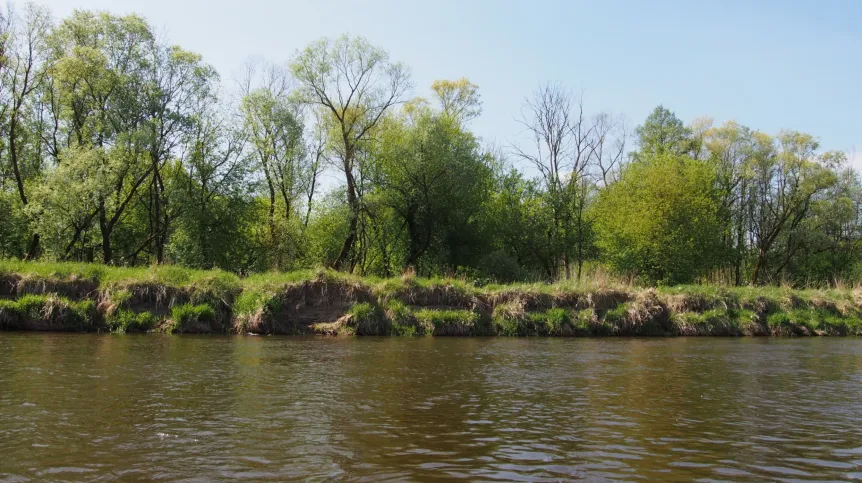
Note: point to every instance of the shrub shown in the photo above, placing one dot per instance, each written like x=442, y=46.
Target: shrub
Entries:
x=660, y=220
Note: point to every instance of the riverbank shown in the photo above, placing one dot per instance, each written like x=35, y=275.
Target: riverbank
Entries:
x=36, y=296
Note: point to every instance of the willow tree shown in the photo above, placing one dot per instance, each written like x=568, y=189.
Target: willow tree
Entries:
x=432, y=174
x=786, y=175
x=99, y=76
x=356, y=83
x=178, y=83
x=23, y=51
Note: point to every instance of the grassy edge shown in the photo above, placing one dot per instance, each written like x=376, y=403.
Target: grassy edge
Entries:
x=220, y=301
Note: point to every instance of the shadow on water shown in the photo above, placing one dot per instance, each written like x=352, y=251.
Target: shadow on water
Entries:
x=105, y=407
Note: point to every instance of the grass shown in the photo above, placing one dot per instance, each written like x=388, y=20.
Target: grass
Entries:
x=191, y=318
x=81, y=296
x=449, y=322
x=46, y=312
x=368, y=319
x=124, y=320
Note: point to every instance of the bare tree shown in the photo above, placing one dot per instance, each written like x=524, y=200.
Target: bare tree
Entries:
x=573, y=153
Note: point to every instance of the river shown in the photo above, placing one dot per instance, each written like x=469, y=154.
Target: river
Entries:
x=102, y=407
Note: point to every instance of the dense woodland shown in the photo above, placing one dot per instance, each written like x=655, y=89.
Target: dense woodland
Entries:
x=120, y=148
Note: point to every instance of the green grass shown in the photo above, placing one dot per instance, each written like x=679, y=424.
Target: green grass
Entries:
x=449, y=322
x=188, y=318
x=124, y=320
x=514, y=322
x=616, y=315
x=402, y=319
x=46, y=312
x=368, y=319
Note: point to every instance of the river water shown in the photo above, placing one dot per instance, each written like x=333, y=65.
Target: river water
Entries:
x=107, y=407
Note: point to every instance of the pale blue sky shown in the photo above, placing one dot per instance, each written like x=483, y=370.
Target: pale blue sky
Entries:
x=768, y=65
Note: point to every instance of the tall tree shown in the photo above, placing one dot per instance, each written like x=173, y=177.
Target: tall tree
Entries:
x=177, y=83
x=660, y=220
x=22, y=72
x=662, y=133
x=786, y=175
x=100, y=65
x=275, y=132
x=431, y=173
x=459, y=99
x=357, y=84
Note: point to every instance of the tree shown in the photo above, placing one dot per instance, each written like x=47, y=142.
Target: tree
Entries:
x=730, y=148
x=569, y=151
x=459, y=99
x=431, y=174
x=660, y=220
x=275, y=132
x=24, y=52
x=215, y=228
x=98, y=68
x=785, y=177
x=357, y=84
x=177, y=84
x=662, y=133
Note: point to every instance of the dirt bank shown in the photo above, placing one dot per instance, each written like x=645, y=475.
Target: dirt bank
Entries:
x=335, y=304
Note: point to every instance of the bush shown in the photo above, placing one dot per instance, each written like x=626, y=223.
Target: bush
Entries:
x=660, y=220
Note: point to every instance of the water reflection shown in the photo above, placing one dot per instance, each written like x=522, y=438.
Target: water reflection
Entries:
x=106, y=407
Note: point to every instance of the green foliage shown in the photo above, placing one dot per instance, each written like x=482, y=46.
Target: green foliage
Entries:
x=402, y=320
x=556, y=321
x=616, y=315
x=583, y=321
x=663, y=134
x=511, y=320
x=660, y=220
x=119, y=147
x=28, y=306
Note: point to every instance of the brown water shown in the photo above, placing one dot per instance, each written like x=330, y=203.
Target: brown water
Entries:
x=107, y=407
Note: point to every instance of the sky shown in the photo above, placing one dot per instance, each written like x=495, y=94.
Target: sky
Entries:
x=769, y=65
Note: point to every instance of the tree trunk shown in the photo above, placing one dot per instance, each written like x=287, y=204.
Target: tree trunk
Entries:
x=19, y=180
x=761, y=256
x=353, y=203
x=105, y=228
x=33, y=250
